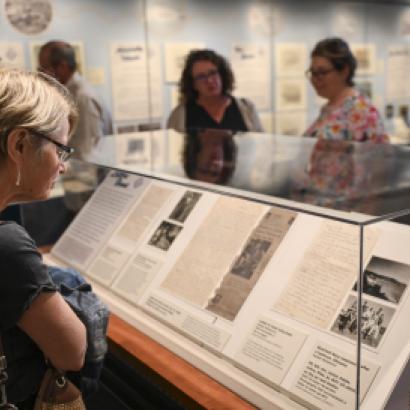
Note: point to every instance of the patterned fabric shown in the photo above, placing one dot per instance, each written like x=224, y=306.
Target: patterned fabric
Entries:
x=344, y=165
x=355, y=120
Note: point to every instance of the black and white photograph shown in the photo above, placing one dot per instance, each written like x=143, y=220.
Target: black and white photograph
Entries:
x=165, y=235
x=248, y=260
x=185, y=206
x=385, y=279
x=375, y=321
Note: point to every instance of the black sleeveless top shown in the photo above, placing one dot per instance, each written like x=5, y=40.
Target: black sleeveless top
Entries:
x=198, y=117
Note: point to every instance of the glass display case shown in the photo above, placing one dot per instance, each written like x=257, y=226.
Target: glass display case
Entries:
x=260, y=278
x=254, y=256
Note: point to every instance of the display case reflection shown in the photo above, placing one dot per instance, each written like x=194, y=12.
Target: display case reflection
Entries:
x=345, y=175
x=209, y=155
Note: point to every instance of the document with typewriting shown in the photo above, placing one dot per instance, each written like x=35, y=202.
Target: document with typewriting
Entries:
x=96, y=221
x=126, y=237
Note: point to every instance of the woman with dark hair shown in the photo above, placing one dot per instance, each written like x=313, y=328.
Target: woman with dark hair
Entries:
x=205, y=97
x=345, y=160
x=348, y=115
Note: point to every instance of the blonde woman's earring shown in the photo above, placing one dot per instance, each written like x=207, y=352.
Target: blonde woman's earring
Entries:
x=18, y=179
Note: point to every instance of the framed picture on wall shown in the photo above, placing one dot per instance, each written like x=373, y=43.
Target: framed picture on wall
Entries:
x=365, y=54
x=29, y=17
x=291, y=59
x=175, y=54
x=291, y=94
x=11, y=54
x=78, y=49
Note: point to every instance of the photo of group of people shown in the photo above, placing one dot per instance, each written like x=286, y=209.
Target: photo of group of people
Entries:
x=385, y=280
x=166, y=233
x=375, y=320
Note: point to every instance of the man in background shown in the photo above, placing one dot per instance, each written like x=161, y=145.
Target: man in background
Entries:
x=57, y=58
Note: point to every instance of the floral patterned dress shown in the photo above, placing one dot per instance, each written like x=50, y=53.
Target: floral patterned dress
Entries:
x=355, y=120
x=340, y=170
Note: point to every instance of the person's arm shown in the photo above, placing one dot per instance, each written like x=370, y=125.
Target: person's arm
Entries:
x=56, y=330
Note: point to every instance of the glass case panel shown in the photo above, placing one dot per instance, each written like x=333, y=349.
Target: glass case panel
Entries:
x=361, y=178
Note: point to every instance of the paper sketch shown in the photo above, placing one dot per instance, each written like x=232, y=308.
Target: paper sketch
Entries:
x=11, y=55
x=366, y=58
x=291, y=94
x=175, y=54
x=29, y=16
x=291, y=59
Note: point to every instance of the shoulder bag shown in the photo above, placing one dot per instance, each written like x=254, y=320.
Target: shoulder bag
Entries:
x=56, y=391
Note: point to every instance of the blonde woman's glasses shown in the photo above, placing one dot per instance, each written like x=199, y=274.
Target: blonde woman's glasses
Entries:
x=64, y=152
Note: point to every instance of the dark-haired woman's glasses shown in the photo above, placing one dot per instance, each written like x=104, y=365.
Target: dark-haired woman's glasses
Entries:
x=321, y=73
x=63, y=151
x=202, y=78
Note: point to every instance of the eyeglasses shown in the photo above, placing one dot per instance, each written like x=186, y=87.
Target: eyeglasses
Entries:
x=318, y=74
x=63, y=151
x=201, y=78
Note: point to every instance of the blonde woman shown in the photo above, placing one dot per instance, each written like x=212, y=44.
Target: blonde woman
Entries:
x=37, y=117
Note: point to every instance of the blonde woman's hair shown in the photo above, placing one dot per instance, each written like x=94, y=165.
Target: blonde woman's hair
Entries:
x=33, y=101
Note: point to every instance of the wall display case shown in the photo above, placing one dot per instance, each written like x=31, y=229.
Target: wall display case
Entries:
x=264, y=293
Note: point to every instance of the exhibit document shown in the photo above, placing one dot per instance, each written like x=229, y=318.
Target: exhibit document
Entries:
x=250, y=263
x=325, y=275
x=208, y=256
x=99, y=217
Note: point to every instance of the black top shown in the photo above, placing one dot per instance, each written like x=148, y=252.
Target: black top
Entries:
x=22, y=277
x=197, y=117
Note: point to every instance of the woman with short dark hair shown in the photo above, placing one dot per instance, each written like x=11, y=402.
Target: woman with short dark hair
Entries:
x=205, y=97
x=348, y=115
